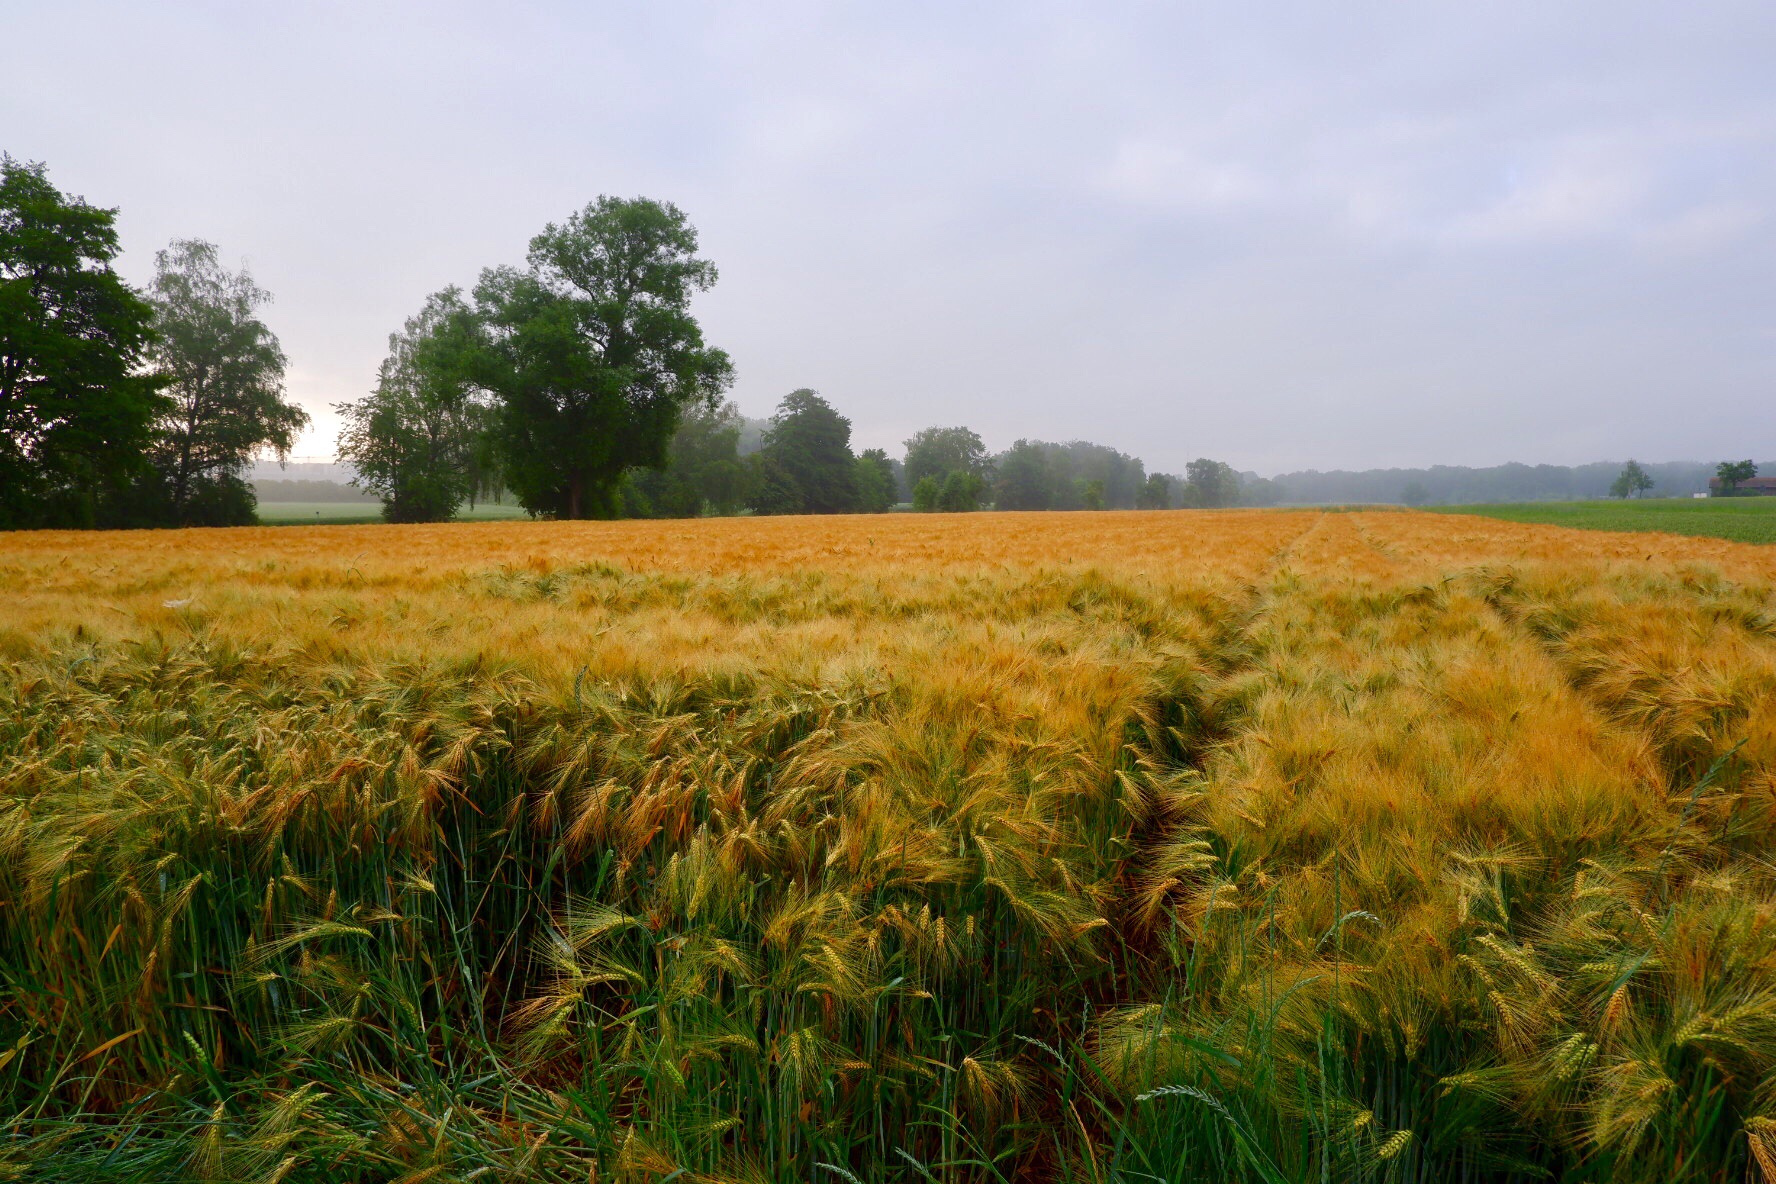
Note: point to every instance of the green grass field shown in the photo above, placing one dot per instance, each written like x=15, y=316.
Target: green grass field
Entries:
x=337, y=513
x=1741, y=519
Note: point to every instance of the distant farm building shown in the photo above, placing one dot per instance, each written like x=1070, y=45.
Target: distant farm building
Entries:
x=1762, y=486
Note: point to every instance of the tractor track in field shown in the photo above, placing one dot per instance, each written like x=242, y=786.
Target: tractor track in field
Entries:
x=1189, y=722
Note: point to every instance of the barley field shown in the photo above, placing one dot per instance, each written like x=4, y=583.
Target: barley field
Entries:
x=1187, y=846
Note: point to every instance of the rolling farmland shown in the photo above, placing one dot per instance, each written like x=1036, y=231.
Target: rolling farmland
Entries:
x=1205, y=846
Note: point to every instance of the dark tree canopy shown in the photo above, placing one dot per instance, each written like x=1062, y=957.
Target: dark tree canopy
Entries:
x=1025, y=481
x=1632, y=481
x=961, y=491
x=936, y=452
x=418, y=440
x=592, y=353
x=1156, y=494
x=704, y=473
x=1263, y=491
x=1212, y=483
x=1732, y=472
x=75, y=411
x=928, y=495
x=771, y=487
x=875, y=481
x=1035, y=475
x=806, y=462
x=705, y=454
x=224, y=372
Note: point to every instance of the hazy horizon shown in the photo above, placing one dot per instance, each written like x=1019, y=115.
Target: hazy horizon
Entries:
x=269, y=468
x=1369, y=237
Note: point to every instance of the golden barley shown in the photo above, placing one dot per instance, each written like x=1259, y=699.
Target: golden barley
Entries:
x=1245, y=845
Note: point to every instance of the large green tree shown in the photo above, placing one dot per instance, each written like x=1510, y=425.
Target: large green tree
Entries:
x=418, y=441
x=1024, y=478
x=961, y=491
x=704, y=473
x=806, y=465
x=592, y=354
x=1035, y=475
x=1732, y=472
x=1632, y=481
x=224, y=371
x=1212, y=483
x=76, y=411
x=1156, y=494
x=937, y=452
x=875, y=481
x=770, y=488
x=1264, y=491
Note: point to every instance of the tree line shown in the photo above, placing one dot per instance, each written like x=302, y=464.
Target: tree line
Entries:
x=118, y=407
x=1634, y=481
x=581, y=384
x=803, y=463
x=577, y=383
x=1452, y=485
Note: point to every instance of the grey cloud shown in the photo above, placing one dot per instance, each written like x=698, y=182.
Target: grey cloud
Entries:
x=1286, y=235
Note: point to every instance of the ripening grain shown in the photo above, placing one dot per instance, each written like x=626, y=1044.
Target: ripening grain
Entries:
x=1188, y=846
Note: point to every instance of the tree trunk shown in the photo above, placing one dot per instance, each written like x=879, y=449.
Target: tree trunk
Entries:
x=182, y=482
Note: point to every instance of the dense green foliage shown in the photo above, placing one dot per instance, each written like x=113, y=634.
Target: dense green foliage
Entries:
x=961, y=491
x=1731, y=472
x=876, y=481
x=1210, y=484
x=1632, y=482
x=1744, y=520
x=1034, y=475
x=117, y=410
x=806, y=465
x=420, y=441
x=927, y=495
x=703, y=473
x=1156, y=494
x=591, y=355
x=223, y=371
x=76, y=411
x=1023, y=479
x=938, y=452
x=802, y=464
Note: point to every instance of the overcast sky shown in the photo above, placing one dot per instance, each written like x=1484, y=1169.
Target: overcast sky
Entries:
x=1283, y=235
